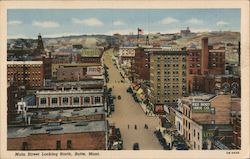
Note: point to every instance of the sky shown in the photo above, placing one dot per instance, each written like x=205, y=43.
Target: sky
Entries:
x=28, y=23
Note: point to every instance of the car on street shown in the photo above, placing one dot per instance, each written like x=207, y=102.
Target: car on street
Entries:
x=162, y=141
x=118, y=133
x=129, y=90
x=181, y=146
x=136, y=146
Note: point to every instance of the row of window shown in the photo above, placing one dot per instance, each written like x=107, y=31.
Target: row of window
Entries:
x=65, y=100
x=170, y=57
x=34, y=66
x=167, y=100
x=173, y=72
x=25, y=145
x=194, y=54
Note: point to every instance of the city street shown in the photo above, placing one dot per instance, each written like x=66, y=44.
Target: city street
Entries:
x=128, y=113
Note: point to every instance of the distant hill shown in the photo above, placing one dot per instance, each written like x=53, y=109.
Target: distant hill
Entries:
x=214, y=37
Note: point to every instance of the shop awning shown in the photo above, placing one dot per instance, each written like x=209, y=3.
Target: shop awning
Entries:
x=139, y=91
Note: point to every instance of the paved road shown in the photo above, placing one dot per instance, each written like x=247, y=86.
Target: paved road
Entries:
x=128, y=112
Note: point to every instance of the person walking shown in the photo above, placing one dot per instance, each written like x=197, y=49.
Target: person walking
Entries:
x=128, y=126
x=135, y=127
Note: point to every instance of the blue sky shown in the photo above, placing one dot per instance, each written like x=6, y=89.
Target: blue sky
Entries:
x=27, y=23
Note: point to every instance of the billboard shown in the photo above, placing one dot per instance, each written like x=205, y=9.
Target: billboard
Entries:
x=201, y=107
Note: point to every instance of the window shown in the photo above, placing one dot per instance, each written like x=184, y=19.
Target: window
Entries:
x=194, y=132
x=189, y=136
x=97, y=99
x=213, y=110
x=25, y=146
x=43, y=101
x=198, y=136
x=76, y=100
x=54, y=101
x=58, y=145
x=69, y=144
x=65, y=100
x=86, y=99
x=194, y=145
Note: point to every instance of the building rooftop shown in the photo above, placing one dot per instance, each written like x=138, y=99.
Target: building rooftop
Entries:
x=57, y=128
x=24, y=62
x=91, y=53
x=199, y=97
x=68, y=113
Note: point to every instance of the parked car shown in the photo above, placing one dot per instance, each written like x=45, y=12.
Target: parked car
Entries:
x=181, y=146
x=166, y=147
x=136, y=146
x=129, y=90
x=162, y=141
x=118, y=133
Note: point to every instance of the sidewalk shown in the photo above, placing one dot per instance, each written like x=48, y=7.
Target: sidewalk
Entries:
x=146, y=111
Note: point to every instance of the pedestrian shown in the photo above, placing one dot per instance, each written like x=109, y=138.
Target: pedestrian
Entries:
x=128, y=126
x=135, y=127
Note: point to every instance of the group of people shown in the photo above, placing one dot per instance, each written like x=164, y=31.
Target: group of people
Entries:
x=135, y=127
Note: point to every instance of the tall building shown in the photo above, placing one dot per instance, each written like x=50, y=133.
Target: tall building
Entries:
x=202, y=62
x=26, y=73
x=167, y=76
x=141, y=65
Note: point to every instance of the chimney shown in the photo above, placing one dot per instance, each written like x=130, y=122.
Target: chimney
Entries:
x=204, y=55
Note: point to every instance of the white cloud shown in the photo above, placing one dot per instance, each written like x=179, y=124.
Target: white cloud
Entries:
x=169, y=20
x=46, y=24
x=118, y=22
x=89, y=21
x=195, y=21
x=15, y=22
x=220, y=23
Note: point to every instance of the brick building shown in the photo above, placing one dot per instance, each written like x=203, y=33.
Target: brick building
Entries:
x=58, y=136
x=167, y=75
x=27, y=73
x=47, y=63
x=236, y=122
x=208, y=60
x=207, y=118
x=140, y=67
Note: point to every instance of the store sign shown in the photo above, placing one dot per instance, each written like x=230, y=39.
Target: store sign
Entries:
x=201, y=107
x=159, y=108
x=94, y=70
x=207, y=134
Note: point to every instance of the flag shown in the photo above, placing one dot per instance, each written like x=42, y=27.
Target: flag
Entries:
x=140, y=31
